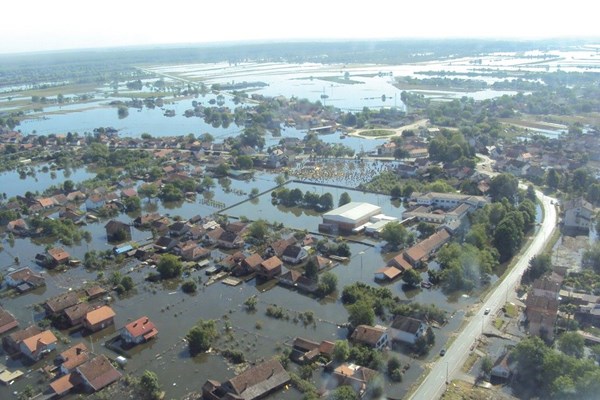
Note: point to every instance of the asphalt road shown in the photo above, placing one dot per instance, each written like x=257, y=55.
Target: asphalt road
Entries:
x=443, y=370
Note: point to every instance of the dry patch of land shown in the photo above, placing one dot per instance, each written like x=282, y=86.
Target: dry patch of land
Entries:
x=460, y=390
x=387, y=133
x=528, y=123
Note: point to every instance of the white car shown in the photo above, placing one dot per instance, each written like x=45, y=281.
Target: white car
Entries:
x=486, y=311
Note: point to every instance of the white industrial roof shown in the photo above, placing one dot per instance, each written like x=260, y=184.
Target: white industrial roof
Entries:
x=352, y=212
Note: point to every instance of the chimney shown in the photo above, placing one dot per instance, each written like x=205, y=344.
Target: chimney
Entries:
x=79, y=350
x=146, y=321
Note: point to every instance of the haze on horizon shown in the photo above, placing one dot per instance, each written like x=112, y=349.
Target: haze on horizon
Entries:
x=70, y=24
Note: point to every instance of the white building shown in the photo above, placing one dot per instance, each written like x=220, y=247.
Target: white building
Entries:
x=407, y=329
x=351, y=216
x=578, y=214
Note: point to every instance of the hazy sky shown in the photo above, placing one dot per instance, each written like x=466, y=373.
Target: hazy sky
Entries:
x=61, y=24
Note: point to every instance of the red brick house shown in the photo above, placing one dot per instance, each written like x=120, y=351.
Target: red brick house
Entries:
x=99, y=319
x=269, y=268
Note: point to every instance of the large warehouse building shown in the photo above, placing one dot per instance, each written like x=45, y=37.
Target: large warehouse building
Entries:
x=351, y=216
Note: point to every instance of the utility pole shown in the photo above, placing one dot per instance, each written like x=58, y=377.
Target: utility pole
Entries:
x=482, y=323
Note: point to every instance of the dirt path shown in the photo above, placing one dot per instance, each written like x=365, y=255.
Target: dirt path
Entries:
x=397, y=132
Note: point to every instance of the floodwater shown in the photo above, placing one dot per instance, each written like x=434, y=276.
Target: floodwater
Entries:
x=40, y=179
x=81, y=118
x=174, y=312
x=366, y=86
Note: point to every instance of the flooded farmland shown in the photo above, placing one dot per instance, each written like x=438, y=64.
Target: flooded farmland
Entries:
x=254, y=333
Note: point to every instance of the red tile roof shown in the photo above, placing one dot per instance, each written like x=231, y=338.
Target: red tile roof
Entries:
x=63, y=384
x=7, y=321
x=271, y=263
x=98, y=315
x=75, y=356
x=34, y=343
x=58, y=254
x=99, y=372
x=141, y=327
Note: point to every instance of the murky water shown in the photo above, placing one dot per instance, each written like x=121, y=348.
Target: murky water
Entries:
x=174, y=312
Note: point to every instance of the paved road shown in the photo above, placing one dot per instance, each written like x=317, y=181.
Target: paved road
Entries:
x=449, y=365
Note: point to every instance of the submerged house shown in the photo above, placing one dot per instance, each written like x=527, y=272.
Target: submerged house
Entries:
x=35, y=347
x=99, y=319
x=24, y=279
x=7, y=321
x=117, y=231
x=73, y=357
x=138, y=331
x=98, y=373
x=254, y=383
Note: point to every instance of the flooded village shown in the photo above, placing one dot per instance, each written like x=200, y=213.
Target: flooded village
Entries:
x=297, y=230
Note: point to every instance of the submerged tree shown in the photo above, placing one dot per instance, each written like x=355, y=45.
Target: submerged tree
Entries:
x=201, y=336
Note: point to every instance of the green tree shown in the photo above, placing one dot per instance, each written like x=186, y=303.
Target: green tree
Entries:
x=327, y=284
x=189, y=286
x=344, y=199
x=326, y=201
x=504, y=186
x=411, y=278
x=538, y=266
x=361, y=313
x=396, y=234
x=148, y=190
x=258, y=229
x=311, y=269
x=572, y=344
x=529, y=354
x=394, y=369
x=507, y=238
x=425, y=229
x=396, y=192
x=552, y=178
x=201, y=336
x=170, y=192
x=169, y=266
x=244, y=162
x=486, y=365
x=531, y=193
x=593, y=193
x=132, y=204
x=527, y=209
x=421, y=347
x=591, y=258
x=150, y=385
x=206, y=138
x=341, y=350
x=251, y=303
x=68, y=186
x=580, y=179
x=127, y=283
x=280, y=180
x=343, y=393
x=222, y=170
x=207, y=182
x=122, y=112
